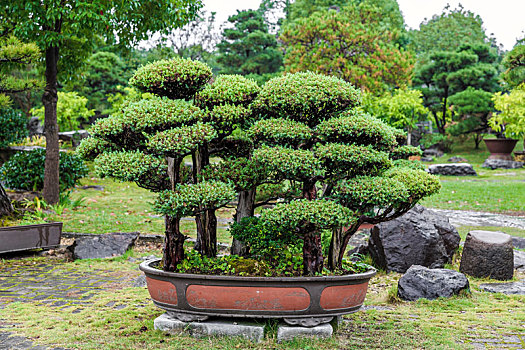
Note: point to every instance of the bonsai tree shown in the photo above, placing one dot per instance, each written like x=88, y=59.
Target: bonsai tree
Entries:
x=147, y=141
x=312, y=134
x=511, y=117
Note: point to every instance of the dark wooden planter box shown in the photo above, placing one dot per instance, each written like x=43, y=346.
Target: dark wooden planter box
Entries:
x=18, y=238
x=296, y=299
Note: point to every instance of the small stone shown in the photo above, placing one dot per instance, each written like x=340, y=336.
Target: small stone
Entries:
x=103, y=246
x=457, y=159
x=427, y=159
x=421, y=282
x=285, y=333
x=452, y=169
x=140, y=282
x=518, y=242
x=488, y=254
x=519, y=260
x=505, y=288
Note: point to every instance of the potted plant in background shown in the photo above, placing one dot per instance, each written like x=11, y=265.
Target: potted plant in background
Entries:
x=510, y=119
x=339, y=168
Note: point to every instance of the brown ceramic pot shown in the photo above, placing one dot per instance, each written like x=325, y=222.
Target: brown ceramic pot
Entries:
x=299, y=300
x=500, y=148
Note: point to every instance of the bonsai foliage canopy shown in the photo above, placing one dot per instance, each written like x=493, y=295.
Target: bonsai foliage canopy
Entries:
x=302, y=128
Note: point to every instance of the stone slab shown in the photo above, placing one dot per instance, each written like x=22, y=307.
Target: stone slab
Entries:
x=211, y=328
x=103, y=246
x=505, y=288
x=452, y=169
x=501, y=164
x=286, y=333
x=519, y=260
x=491, y=237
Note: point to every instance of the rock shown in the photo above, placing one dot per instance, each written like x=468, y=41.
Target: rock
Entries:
x=427, y=159
x=501, y=164
x=452, y=169
x=488, y=254
x=420, y=282
x=73, y=136
x=420, y=237
x=285, y=333
x=433, y=152
x=456, y=159
x=140, y=282
x=519, y=260
x=92, y=187
x=103, y=246
x=505, y=288
x=518, y=242
x=35, y=127
x=210, y=328
x=359, y=242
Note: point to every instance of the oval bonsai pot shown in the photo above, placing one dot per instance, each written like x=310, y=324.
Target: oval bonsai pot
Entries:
x=500, y=148
x=296, y=299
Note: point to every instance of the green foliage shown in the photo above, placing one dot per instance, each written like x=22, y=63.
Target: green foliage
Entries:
x=411, y=164
x=176, y=78
x=129, y=166
x=178, y=142
x=443, y=142
x=91, y=147
x=248, y=48
x=352, y=160
x=71, y=111
x=187, y=199
x=228, y=89
x=103, y=74
x=13, y=125
x=353, y=43
x=25, y=170
x=514, y=63
x=243, y=173
x=404, y=152
x=226, y=117
x=366, y=192
x=280, y=132
x=418, y=183
x=511, y=116
x=305, y=97
x=288, y=163
x=298, y=214
x=357, y=128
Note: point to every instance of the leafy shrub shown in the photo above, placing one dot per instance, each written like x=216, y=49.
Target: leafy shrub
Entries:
x=25, y=170
x=228, y=89
x=404, y=152
x=13, y=125
x=442, y=142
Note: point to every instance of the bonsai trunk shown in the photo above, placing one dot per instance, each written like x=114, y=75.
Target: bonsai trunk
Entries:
x=409, y=137
x=173, y=244
x=335, y=248
x=309, y=190
x=245, y=208
x=5, y=203
x=312, y=254
x=49, y=99
x=206, y=220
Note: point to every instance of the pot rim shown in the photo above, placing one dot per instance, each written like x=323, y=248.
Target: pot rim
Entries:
x=146, y=268
x=500, y=139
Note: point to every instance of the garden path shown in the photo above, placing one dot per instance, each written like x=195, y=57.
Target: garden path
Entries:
x=479, y=218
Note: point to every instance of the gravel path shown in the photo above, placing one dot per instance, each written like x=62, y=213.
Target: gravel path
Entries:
x=478, y=218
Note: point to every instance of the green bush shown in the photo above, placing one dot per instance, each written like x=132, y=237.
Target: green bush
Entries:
x=25, y=170
x=228, y=89
x=71, y=110
x=13, y=125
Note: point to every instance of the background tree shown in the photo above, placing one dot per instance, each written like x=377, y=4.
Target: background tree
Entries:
x=13, y=54
x=65, y=31
x=510, y=118
x=248, y=48
x=449, y=72
x=514, y=63
x=352, y=43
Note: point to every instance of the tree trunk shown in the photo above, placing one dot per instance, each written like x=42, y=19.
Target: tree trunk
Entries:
x=245, y=208
x=478, y=137
x=409, y=137
x=206, y=221
x=5, y=203
x=309, y=190
x=335, y=248
x=312, y=254
x=49, y=99
x=173, y=244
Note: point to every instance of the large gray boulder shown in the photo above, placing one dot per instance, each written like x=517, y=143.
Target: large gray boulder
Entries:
x=103, y=246
x=501, y=164
x=421, y=282
x=452, y=169
x=420, y=237
x=488, y=254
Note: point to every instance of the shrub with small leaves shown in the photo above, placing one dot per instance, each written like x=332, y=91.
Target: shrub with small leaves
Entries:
x=280, y=132
x=130, y=166
x=178, y=78
x=411, y=164
x=178, y=142
x=321, y=213
x=243, y=173
x=365, y=192
x=418, y=183
x=187, y=198
x=289, y=163
x=226, y=117
x=25, y=170
x=13, y=125
x=404, y=152
x=228, y=89
x=306, y=97
x=91, y=147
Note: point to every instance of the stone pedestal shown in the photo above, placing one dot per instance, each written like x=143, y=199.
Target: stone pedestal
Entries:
x=488, y=254
x=285, y=333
